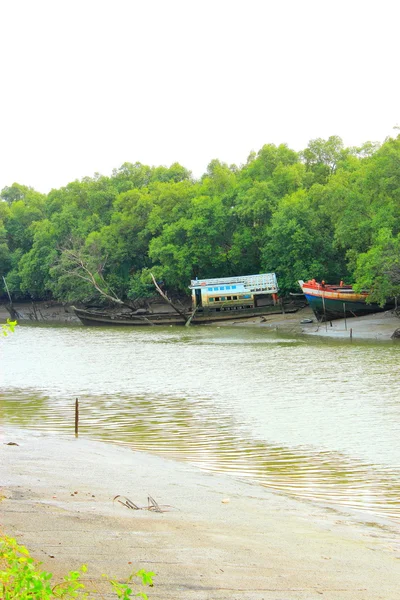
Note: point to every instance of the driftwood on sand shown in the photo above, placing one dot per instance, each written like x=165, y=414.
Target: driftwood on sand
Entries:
x=152, y=505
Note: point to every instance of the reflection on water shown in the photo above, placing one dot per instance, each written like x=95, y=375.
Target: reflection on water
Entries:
x=316, y=420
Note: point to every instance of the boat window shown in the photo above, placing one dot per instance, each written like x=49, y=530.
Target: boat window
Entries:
x=211, y=299
x=234, y=287
x=246, y=296
x=216, y=299
x=234, y=298
x=229, y=297
x=223, y=297
x=210, y=289
x=215, y=289
x=222, y=287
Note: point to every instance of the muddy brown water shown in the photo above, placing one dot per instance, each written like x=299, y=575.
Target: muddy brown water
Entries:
x=314, y=419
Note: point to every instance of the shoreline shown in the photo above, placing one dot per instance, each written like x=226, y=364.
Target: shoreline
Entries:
x=50, y=312
x=221, y=537
x=377, y=326
x=374, y=327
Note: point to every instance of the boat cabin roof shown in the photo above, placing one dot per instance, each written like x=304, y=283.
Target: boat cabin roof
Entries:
x=261, y=283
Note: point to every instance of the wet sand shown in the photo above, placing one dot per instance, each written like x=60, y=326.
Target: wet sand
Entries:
x=379, y=326
x=220, y=538
x=40, y=312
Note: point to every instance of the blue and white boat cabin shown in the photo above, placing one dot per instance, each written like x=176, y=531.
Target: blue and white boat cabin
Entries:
x=233, y=293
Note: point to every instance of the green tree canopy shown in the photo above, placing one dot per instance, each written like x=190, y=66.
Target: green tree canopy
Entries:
x=326, y=212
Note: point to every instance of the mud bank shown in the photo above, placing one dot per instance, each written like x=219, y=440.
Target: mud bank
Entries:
x=40, y=312
x=379, y=326
x=219, y=538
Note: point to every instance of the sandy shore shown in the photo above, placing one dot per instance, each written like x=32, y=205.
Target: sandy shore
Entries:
x=221, y=538
x=379, y=326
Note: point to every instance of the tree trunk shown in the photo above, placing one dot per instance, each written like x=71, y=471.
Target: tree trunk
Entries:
x=159, y=290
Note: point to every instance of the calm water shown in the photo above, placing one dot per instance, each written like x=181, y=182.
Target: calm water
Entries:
x=315, y=419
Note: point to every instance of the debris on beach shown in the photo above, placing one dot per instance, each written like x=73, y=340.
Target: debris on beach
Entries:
x=126, y=502
x=11, y=444
x=152, y=505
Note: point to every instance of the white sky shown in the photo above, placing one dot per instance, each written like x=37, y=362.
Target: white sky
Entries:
x=87, y=85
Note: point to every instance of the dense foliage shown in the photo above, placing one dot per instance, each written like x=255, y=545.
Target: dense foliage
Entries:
x=328, y=212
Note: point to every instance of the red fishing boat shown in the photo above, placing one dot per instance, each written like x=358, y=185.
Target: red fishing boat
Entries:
x=338, y=301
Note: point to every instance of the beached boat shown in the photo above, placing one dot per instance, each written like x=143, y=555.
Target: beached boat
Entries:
x=217, y=299
x=338, y=301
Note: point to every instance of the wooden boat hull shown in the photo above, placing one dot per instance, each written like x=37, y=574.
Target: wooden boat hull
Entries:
x=329, y=303
x=99, y=319
x=339, y=309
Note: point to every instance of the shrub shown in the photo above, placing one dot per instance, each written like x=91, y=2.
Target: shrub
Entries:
x=22, y=579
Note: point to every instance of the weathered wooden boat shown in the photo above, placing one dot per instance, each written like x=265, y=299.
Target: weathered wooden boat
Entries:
x=104, y=318
x=217, y=299
x=331, y=302
x=94, y=316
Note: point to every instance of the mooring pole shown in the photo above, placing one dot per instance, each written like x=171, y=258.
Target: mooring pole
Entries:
x=76, y=417
x=344, y=311
x=351, y=334
x=323, y=304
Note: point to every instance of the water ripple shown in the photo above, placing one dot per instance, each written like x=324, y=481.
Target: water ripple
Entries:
x=317, y=420
x=174, y=427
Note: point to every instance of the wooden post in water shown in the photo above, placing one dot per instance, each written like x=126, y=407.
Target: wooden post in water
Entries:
x=323, y=304
x=344, y=312
x=76, y=417
x=351, y=334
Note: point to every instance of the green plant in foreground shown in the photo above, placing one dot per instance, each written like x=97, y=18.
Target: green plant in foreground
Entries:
x=21, y=578
x=124, y=591
x=8, y=327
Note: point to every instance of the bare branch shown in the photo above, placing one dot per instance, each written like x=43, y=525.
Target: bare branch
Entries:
x=159, y=290
x=78, y=267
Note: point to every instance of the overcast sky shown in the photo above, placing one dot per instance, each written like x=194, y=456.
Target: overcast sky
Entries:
x=88, y=85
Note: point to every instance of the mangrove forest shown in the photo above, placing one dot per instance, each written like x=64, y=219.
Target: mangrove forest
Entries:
x=327, y=212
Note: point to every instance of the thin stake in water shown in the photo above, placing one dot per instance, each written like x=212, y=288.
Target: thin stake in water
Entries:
x=76, y=416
